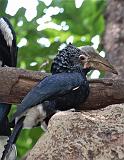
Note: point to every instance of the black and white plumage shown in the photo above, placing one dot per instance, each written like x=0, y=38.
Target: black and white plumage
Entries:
x=65, y=89
x=8, y=57
x=8, y=47
x=34, y=117
x=6, y=31
x=66, y=60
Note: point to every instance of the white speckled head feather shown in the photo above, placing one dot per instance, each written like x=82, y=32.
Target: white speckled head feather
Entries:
x=6, y=31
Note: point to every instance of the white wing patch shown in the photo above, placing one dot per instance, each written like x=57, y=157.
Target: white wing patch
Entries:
x=34, y=116
x=6, y=31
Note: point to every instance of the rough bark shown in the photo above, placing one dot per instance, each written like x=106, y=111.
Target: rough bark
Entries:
x=97, y=134
x=114, y=35
x=16, y=83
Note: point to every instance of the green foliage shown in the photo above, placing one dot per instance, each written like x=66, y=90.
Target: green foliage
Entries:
x=27, y=139
x=84, y=23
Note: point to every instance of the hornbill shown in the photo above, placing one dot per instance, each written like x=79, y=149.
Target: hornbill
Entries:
x=65, y=89
x=8, y=57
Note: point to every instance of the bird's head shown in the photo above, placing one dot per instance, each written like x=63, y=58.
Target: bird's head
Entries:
x=87, y=57
x=90, y=58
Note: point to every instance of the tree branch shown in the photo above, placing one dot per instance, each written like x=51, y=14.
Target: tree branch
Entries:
x=16, y=83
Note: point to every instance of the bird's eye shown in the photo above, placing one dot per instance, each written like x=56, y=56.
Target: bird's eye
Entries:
x=82, y=58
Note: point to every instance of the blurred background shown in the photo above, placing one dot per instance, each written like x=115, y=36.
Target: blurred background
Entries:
x=45, y=26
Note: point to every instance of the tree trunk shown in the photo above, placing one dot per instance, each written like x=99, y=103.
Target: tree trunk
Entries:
x=94, y=135
x=114, y=35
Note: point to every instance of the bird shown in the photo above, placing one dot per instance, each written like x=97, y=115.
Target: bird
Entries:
x=66, y=88
x=8, y=57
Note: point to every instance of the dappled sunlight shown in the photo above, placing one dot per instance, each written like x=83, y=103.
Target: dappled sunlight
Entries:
x=44, y=42
x=95, y=74
x=63, y=45
x=78, y=3
x=31, y=8
x=47, y=2
x=96, y=41
x=33, y=64
x=51, y=25
x=102, y=54
x=64, y=25
x=70, y=39
x=20, y=23
x=22, y=42
x=53, y=11
x=45, y=21
x=83, y=39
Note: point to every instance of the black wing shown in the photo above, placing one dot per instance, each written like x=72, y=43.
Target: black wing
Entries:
x=49, y=88
x=4, y=122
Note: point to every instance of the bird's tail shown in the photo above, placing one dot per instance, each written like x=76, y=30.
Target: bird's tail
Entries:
x=13, y=137
x=4, y=122
x=36, y=116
